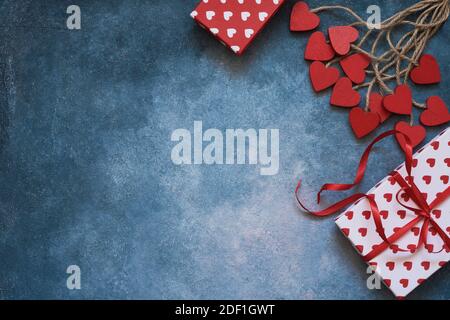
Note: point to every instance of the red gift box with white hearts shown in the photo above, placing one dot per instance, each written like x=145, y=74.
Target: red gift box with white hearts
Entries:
x=235, y=22
x=404, y=265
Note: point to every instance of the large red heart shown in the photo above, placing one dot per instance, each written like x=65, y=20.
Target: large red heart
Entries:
x=376, y=105
x=416, y=134
x=321, y=76
x=302, y=19
x=355, y=66
x=436, y=112
x=343, y=94
x=341, y=37
x=400, y=101
x=318, y=49
x=362, y=122
x=427, y=72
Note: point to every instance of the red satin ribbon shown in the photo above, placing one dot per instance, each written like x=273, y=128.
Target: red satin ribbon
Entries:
x=422, y=211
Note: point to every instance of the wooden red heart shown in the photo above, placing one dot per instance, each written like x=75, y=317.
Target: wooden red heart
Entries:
x=376, y=105
x=400, y=102
x=343, y=94
x=341, y=37
x=317, y=48
x=363, y=122
x=427, y=72
x=302, y=19
x=321, y=76
x=355, y=66
x=416, y=134
x=436, y=112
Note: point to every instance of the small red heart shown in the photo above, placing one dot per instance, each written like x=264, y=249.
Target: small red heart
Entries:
x=362, y=231
x=447, y=161
x=302, y=19
x=414, y=163
x=432, y=230
x=436, y=112
x=416, y=134
x=405, y=196
x=387, y=282
x=442, y=263
x=409, y=179
x=437, y=213
x=400, y=102
x=394, y=248
x=444, y=179
x=420, y=280
x=343, y=94
x=427, y=179
x=349, y=215
x=390, y=265
x=392, y=180
x=388, y=197
x=411, y=247
x=355, y=66
x=429, y=247
x=360, y=248
x=376, y=105
x=366, y=214
x=431, y=162
x=407, y=265
x=448, y=230
x=435, y=145
x=363, y=122
x=425, y=265
x=346, y=231
x=401, y=214
x=427, y=72
x=404, y=282
x=318, y=49
x=384, y=214
x=321, y=76
x=415, y=230
x=341, y=37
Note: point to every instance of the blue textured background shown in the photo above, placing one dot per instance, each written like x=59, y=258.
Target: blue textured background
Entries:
x=86, y=176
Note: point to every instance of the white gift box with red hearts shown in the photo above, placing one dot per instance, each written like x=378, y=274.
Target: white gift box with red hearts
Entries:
x=402, y=271
x=235, y=22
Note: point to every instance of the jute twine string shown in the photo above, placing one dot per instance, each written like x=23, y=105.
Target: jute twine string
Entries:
x=395, y=63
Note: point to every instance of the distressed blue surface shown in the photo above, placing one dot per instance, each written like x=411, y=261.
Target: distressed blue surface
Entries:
x=86, y=175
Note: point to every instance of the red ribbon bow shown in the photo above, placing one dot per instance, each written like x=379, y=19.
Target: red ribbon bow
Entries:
x=423, y=210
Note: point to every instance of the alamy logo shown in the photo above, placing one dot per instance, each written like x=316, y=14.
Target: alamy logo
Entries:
x=210, y=147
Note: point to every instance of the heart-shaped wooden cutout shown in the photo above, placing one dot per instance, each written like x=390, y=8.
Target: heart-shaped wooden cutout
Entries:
x=302, y=19
x=436, y=112
x=400, y=102
x=343, y=94
x=321, y=76
x=341, y=37
x=416, y=134
x=427, y=72
x=363, y=122
x=355, y=66
x=317, y=48
x=376, y=105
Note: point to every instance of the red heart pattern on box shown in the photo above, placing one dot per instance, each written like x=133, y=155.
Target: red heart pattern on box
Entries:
x=235, y=22
x=404, y=271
